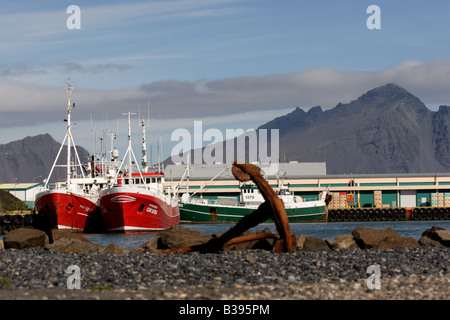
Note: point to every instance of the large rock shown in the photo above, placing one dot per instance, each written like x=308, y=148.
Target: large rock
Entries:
x=401, y=242
x=114, y=248
x=151, y=244
x=243, y=246
x=178, y=237
x=425, y=241
x=368, y=238
x=55, y=234
x=430, y=233
x=74, y=243
x=261, y=244
x=342, y=242
x=443, y=236
x=314, y=244
x=25, y=238
x=437, y=234
x=301, y=241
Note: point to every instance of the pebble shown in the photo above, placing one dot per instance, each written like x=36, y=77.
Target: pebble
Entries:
x=406, y=273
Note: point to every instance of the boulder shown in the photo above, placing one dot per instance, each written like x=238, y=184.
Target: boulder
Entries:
x=425, y=241
x=262, y=244
x=55, y=234
x=25, y=238
x=301, y=241
x=443, y=236
x=74, y=244
x=368, y=238
x=344, y=237
x=113, y=248
x=438, y=234
x=342, y=243
x=401, y=242
x=240, y=246
x=314, y=243
x=179, y=237
x=431, y=233
x=151, y=244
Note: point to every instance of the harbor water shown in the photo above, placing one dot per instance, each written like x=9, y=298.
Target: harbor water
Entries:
x=322, y=230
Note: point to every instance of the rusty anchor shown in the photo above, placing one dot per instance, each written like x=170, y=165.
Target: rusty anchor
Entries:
x=271, y=208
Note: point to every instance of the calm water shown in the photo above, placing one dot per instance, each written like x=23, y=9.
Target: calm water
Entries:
x=322, y=230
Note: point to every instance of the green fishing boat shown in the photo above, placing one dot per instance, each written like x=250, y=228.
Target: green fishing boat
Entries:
x=230, y=210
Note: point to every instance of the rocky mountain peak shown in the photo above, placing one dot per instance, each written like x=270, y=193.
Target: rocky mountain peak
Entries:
x=391, y=95
x=31, y=159
x=385, y=130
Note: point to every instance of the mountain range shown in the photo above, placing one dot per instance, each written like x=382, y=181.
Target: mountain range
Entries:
x=386, y=130
x=30, y=159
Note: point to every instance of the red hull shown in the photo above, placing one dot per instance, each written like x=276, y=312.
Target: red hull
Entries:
x=64, y=210
x=128, y=210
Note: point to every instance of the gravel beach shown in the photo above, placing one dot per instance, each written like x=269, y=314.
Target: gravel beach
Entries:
x=405, y=273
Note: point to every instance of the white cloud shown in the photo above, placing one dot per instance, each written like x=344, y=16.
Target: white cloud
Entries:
x=171, y=99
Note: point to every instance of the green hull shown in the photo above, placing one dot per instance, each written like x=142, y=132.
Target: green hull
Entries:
x=198, y=213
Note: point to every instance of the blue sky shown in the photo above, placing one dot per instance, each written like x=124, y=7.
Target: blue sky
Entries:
x=229, y=63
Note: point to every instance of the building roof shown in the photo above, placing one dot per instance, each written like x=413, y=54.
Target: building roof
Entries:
x=18, y=186
x=208, y=171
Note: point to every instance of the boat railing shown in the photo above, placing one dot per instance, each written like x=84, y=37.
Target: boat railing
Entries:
x=310, y=199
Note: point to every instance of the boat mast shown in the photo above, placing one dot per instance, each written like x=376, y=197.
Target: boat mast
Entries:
x=69, y=136
x=130, y=160
x=70, y=142
x=144, y=143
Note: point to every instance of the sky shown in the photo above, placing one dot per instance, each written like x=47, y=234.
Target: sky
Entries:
x=227, y=63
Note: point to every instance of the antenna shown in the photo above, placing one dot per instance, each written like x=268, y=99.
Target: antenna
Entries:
x=70, y=143
x=130, y=154
x=144, y=124
x=69, y=134
x=93, y=137
x=157, y=149
x=148, y=112
x=162, y=155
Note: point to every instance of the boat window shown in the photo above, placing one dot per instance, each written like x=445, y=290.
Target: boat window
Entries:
x=126, y=181
x=147, y=180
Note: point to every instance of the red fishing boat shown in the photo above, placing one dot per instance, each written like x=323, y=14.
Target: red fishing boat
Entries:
x=69, y=204
x=138, y=200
